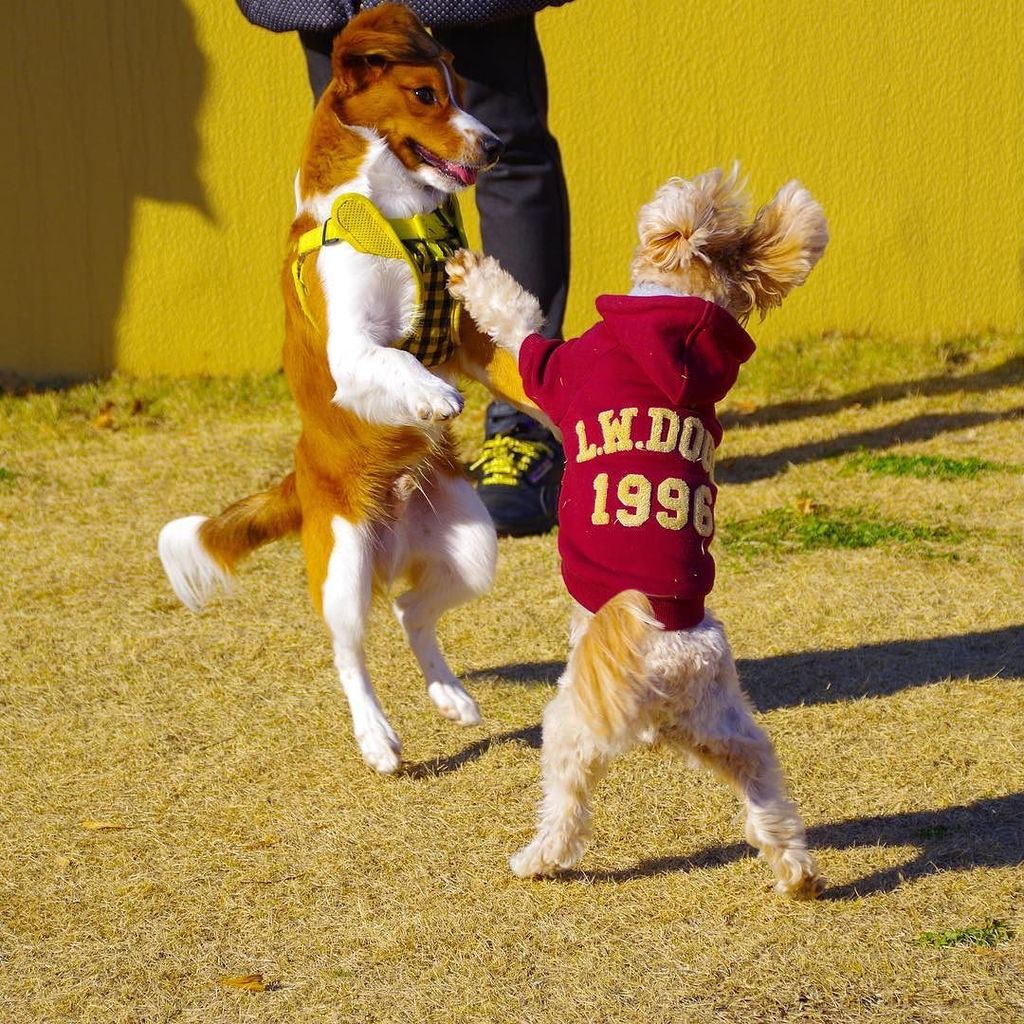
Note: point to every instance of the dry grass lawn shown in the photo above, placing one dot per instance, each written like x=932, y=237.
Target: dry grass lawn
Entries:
x=182, y=802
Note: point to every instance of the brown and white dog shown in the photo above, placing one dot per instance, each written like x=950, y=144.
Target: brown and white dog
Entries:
x=627, y=680
x=376, y=492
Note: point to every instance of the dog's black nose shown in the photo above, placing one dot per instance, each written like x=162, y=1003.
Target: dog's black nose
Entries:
x=491, y=147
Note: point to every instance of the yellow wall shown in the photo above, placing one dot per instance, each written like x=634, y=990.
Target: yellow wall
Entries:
x=150, y=148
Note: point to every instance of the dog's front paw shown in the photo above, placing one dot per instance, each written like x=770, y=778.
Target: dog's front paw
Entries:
x=434, y=403
x=495, y=301
x=413, y=404
x=809, y=888
x=795, y=870
x=460, y=266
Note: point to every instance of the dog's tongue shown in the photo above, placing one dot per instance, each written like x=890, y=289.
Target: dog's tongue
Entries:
x=460, y=173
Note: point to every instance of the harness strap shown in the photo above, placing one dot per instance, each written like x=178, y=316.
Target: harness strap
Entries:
x=424, y=242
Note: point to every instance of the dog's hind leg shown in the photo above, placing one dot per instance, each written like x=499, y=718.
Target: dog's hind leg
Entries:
x=339, y=561
x=573, y=762
x=722, y=734
x=446, y=545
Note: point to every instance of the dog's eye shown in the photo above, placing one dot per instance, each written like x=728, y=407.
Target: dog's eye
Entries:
x=425, y=95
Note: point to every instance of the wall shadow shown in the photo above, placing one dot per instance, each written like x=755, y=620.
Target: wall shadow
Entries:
x=1009, y=372
x=986, y=833
x=100, y=103
x=747, y=468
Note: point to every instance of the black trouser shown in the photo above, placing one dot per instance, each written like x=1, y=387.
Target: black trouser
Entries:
x=523, y=204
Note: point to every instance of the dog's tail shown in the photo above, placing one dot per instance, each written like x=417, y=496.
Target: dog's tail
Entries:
x=199, y=554
x=607, y=666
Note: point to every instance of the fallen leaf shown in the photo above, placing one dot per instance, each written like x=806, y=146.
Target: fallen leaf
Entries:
x=250, y=983
x=102, y=826
x=746, y=408
x=104, y=419
x=807, y=506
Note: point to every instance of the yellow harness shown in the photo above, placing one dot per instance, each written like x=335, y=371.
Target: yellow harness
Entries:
x=424, y=242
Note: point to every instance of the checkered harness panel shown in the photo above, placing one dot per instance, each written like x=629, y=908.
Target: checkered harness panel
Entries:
x=435, y=336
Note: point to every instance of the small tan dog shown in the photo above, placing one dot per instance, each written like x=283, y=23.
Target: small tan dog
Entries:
x=634, y=398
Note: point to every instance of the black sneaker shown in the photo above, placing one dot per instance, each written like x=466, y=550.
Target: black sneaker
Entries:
x=518, y=472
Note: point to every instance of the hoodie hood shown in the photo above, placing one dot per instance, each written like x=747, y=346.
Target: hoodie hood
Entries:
x=691, y=349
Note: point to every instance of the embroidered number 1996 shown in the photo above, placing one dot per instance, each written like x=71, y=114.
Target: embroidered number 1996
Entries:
x=678, y=506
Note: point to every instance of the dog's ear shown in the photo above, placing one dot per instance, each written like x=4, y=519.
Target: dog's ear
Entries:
x=691, y=220
x=781, y=247
x=380, y=36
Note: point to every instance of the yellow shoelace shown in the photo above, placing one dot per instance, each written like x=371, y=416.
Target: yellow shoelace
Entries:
x=504, y=459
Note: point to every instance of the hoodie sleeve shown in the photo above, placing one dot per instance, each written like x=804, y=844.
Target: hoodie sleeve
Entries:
x=542, y=365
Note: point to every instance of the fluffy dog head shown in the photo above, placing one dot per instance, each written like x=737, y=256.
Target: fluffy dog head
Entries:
x=696, y=237
x=392, y=76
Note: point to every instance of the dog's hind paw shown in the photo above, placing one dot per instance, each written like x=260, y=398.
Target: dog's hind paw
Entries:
x=807, y=888
x=798, y=877
x=380, y=747
x=452, y=700
x=541, y=858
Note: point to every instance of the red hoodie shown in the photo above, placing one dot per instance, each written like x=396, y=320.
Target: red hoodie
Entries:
x=635, y=399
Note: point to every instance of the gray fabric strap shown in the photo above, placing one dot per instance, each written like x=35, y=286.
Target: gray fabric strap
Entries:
x=331, y=15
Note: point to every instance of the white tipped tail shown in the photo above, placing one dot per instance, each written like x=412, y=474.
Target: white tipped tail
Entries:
x=193, y=573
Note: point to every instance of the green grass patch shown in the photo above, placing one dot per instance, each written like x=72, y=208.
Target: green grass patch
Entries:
x=990, y=934
x=7, y=477
x=784, y=529
x=922, y=467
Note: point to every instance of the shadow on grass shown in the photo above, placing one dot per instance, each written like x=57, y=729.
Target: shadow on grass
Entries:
x=529, y=736
x=747, y=468
x=821, y=677
x=986, y=833
x=1007, y=373
x=879, y=670
x=521, y=673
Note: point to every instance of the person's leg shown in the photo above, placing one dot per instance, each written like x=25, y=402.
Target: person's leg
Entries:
x=524, y=209
x=317, y=48
x=524, y=224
